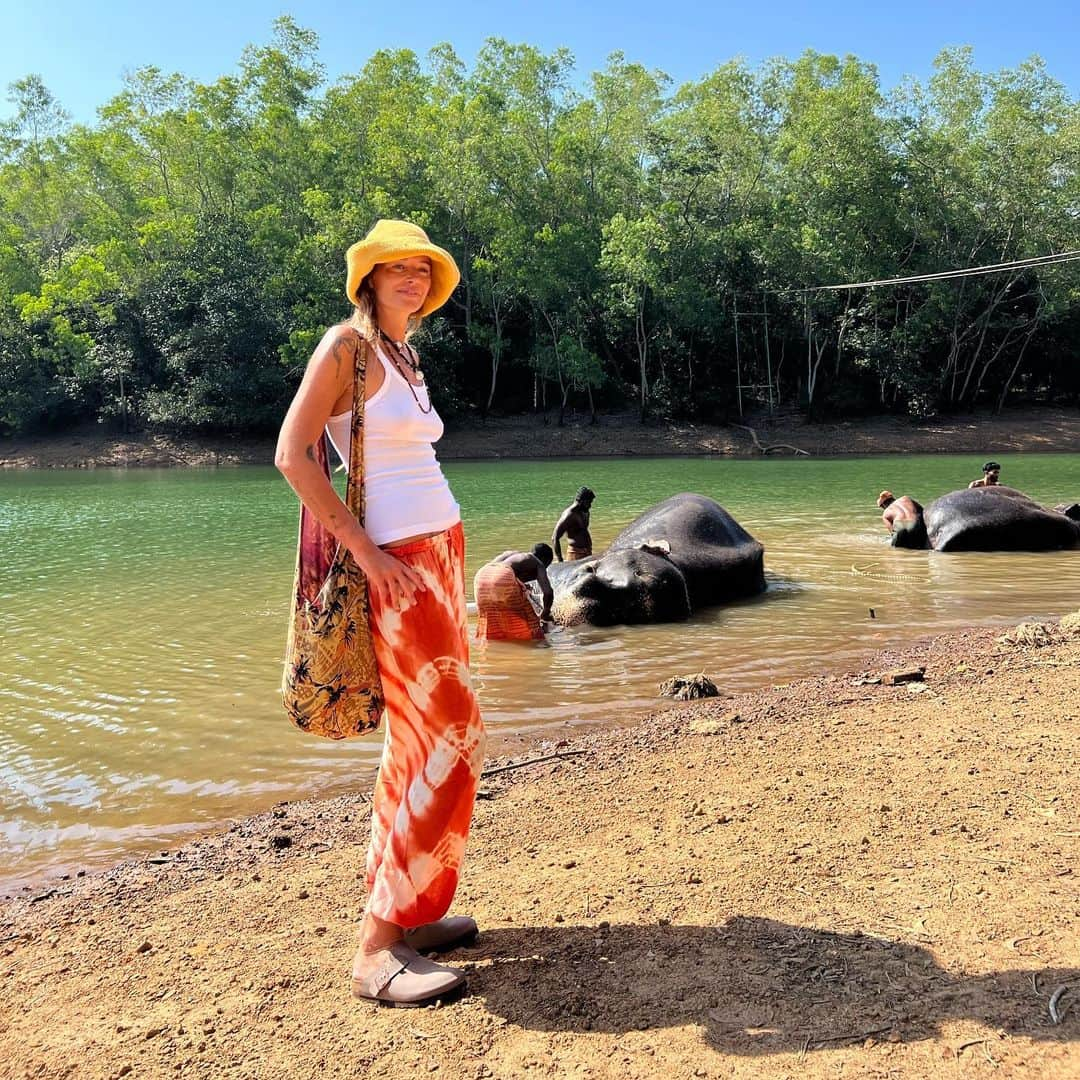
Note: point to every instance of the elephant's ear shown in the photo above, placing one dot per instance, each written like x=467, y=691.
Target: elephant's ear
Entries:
x=656, y=547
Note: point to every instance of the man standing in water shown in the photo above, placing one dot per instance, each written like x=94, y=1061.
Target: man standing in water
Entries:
x=991, y=474
x=574, y=523
x=504, y=610
x=904, y=519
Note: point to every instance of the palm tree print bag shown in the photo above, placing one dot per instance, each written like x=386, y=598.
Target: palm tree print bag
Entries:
x=331, y=683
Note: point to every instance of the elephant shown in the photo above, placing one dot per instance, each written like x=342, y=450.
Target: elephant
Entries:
x=681, y=555
x=997, y=518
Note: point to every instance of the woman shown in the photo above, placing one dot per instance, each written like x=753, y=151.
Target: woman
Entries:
x=411, y=549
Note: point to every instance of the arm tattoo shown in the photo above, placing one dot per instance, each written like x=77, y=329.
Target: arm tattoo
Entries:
x=343, y=350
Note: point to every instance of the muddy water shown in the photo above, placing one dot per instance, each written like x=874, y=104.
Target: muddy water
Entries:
x=142, y=616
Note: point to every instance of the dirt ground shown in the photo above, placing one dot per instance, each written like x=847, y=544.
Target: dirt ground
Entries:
x=831, y=878
x=1013, y=432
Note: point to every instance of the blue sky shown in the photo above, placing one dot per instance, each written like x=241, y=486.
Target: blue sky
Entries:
x=82, y=49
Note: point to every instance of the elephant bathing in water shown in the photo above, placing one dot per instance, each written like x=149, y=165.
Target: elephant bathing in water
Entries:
x=997, y=519
x=683, y=554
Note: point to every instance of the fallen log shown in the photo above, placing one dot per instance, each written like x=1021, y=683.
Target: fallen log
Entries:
x=762, y=449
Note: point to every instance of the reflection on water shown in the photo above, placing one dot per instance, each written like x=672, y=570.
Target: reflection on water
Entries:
x=144, y=613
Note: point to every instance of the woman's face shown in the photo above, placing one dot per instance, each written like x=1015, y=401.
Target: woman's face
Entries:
x=402, y=285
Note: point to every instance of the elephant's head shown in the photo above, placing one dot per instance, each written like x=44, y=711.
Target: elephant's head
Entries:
x=634, y=585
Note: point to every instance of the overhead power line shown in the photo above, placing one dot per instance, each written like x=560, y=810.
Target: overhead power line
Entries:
x=994, y=268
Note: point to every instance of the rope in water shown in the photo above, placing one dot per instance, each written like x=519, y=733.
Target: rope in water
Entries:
x=868, y=573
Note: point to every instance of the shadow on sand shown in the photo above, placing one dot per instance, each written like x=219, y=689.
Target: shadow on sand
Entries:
x=754, y=985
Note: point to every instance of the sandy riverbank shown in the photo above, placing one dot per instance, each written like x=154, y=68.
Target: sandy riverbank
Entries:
x=1021, y=431
x=833, y=877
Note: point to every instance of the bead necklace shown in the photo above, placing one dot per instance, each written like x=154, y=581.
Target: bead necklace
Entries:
x=400, y=358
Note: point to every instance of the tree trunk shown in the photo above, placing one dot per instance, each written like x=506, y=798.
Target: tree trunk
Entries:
x=1002, y=346
x=690, y=376
x=1019, y=359
x=496, y=352
x=780, y=366
x=954, y=348
x=819, y=344
x=496, y=355
x=643, y=352
x=564, y=386
x=840, y=334
x=812, y=365
x=987, y=315
x=768, y=355
x=466, y=281
x=738, y=360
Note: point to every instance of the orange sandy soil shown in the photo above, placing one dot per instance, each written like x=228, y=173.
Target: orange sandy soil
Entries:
x=832, y=878
x=527, y=437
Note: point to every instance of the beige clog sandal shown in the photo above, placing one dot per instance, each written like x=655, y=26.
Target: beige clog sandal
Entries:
x=405, y=979
x=443, y=935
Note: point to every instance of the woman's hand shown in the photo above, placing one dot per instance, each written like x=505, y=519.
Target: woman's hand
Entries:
x=391, y=580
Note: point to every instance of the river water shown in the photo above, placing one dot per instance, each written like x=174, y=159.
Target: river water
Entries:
x=143, y=618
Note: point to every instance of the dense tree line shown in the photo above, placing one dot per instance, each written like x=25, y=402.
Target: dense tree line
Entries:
x=622, y=243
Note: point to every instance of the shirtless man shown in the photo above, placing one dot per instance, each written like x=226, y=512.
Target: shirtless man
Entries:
x=504, y=610
x=574, y=523
x=991, y=473
x=904, y=519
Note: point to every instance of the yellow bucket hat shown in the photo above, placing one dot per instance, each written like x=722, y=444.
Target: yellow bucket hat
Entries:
x=389, y=240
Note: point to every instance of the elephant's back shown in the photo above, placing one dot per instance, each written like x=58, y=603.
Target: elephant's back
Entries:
x=996, y=519
x=719, y=558
x=682, y=518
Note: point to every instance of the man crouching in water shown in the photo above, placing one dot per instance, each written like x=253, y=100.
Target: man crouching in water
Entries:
x=504, y=610
x=904, y=519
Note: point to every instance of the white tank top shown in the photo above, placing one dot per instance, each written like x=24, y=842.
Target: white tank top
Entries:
x=405, y=492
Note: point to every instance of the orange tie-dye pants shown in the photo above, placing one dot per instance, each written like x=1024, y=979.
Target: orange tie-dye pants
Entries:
x=434, y=749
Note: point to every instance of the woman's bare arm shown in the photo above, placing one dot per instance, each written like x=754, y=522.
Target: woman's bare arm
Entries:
x=328, y=379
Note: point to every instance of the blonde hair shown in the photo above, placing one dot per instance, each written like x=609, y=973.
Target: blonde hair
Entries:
x=363, y=319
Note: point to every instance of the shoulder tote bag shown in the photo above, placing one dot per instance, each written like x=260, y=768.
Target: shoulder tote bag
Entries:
x=331, y=682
